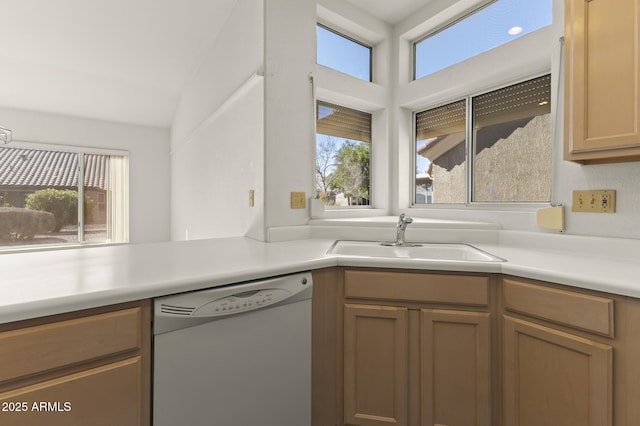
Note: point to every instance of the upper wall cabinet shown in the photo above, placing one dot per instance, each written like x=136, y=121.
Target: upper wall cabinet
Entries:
x=602, y=81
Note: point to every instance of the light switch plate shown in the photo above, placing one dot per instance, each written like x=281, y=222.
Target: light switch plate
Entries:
x=298, y=200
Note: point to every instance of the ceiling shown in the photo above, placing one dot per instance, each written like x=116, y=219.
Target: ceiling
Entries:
x=117, y=60
x=390, y=11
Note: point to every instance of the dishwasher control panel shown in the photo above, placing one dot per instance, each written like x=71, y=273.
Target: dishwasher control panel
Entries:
x=189, y=309
x=245, y=301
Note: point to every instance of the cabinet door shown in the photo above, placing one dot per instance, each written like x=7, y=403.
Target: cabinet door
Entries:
x=375, y=365
x=103, y=396
x=456, y=368
x=553, y=378
x=602, y=84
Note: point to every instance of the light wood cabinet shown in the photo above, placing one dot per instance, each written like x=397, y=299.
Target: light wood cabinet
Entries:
x=418, y=367
x=455, y=366
x=83, y=368
x=554, y=378
x=393, y=347
x=376, y=369
x=570, y=356
x=602, y=81
x=415, y=349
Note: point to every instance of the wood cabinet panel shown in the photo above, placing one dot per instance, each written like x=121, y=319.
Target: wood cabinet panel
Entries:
x=455, y=368
x=326, y=347
x=553, y=356
x=553, y=378
x=602, y=76
x=587, y=312
x=104, y=396
x=90, y=367
x=628, y=377
x=418, y=287
x=375, y=365
x=37, y=349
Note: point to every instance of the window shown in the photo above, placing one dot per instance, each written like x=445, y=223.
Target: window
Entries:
x=441, y=137
x=510, y=142
x=498, y=23
x=40, y=191
x=343, y=155
x=343, y=54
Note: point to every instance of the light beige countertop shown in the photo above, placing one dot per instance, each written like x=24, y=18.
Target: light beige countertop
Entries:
x=34, y=284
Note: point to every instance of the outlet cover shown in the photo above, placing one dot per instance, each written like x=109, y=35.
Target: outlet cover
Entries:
x=594, y=201
x=298, y=200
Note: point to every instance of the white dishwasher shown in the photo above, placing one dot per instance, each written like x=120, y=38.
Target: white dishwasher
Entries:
x=238, y=355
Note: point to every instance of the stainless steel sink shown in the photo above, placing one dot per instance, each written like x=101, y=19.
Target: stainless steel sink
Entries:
x=423, y=251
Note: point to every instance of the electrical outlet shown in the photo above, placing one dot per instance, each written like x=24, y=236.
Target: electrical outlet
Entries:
x=252, y=197
x=595, y=201
x=298, y=200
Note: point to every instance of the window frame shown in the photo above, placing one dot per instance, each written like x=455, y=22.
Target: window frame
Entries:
x=353, y=40
x=81, y=151
x=469, y=150
x=329, y=85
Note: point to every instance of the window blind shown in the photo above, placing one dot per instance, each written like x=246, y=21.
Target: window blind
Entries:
x=441, y=121
x=528, y=99
x=343, y=122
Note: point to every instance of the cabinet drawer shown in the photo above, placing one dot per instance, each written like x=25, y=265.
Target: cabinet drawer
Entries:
x=41, y=348
x=104, y=396
x=587, y=312
x=416, y=287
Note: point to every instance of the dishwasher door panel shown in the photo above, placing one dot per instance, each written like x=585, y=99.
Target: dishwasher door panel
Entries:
x=243, y=370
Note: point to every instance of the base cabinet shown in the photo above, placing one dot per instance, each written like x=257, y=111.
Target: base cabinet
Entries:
x=451, y=371
x=86, y=368
x=554, y=378
x=425, y=349
x=455, y=366
x=376, y=368
x=570, y=356
x=407, y=363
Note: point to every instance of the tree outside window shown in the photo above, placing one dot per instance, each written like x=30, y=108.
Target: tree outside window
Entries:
x=343, y=156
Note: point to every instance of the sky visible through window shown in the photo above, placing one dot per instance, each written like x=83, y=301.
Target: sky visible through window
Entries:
x=491, y=26
x=342, y=54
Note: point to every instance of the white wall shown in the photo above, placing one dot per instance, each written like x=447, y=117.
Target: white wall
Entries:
x=217, y=140
x=148, y=149
x=215, y=170
x=289, y=109
x=234, y=132
x=276, y=38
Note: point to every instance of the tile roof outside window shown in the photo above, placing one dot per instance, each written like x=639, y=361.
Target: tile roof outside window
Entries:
x=50, y=169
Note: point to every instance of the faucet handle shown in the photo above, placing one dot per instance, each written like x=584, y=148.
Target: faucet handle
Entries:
x=404, y=219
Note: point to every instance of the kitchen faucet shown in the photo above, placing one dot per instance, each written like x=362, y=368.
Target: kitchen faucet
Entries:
x=401, y=227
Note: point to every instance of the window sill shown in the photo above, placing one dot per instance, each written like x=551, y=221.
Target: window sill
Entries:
x=54, y=247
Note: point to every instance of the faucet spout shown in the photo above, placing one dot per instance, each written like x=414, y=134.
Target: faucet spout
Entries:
x=401, y=227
